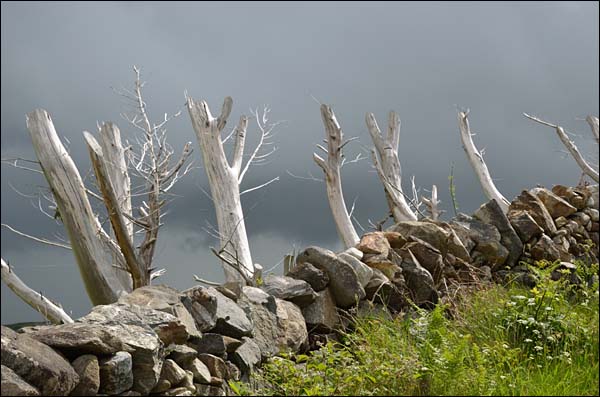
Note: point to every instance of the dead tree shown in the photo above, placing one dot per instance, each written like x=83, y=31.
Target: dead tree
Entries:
x=387, y=164
x=333, y=180
x=225, y=177
x=52, y=311
x=110, y=266
x=570, y=145
x=479, y=166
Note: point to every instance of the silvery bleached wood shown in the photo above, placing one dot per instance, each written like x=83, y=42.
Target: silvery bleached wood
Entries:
x=118, y=221
x=388, y=166
x=570, y=145
x=478, y=164
x=116, y=167
x=224, y=182
x=39, y=302
x=97, y=256
x=333, y=179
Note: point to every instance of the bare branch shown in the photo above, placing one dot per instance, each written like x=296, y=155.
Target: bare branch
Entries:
x=570, y=145
x=39, y=302
x=38, y=239
x=594, y=125
x=260, y=186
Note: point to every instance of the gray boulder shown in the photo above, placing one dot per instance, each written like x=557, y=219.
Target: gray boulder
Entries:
x=317, y=278
x=287, y=288
x=344, y=282
x=529, y=202
x=247, y=356
x=321, y=315
x=363, y=271
x=88, y=369
x=37, y=364
x=116, y=374
x=14, y=385
x=525, y=225
x=418, y=280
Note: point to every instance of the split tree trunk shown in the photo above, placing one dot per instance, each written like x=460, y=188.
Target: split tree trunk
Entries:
x=40, y=303
x=478, y=164
x=333, y=179
x=96, y=255
x=388, y=167
x=224, y=185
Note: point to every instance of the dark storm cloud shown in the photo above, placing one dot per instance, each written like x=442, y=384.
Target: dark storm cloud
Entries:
x=420, y=59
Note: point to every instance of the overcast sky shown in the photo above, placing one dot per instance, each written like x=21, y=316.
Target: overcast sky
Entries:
x=419, y=59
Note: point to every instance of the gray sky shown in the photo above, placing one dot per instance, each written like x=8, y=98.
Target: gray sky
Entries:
x=420, y=59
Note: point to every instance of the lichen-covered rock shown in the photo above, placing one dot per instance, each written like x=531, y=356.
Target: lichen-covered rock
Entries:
x=164, y=299
x=491, y=213
x=374, y=243
x=37, y=364
x=14, y=385
x=182, y=354
x=215, y=365
x=293, y=335
x=287, y=288
x=317, y=278
x=545, y=249
x=395, y=239
x=529, y=202
x=116, y=374
x=172, y=372
x=344, y=283
x=88, y=369
x=577, y=196
x=228, y=317
x=555, y=205
x=488, y=249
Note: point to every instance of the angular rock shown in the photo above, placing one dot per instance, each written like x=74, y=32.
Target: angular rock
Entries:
x=374, y=243
x=200, y=371
x=230, y=318
x=376, y=282
x=261, y=308
x=388, y=267
x=215, y=365
x=577, y=197
x=355, y=252
x=247, y=356
x=581, y=218
x=282, y=287
x=162, y=386
x=216, y=344
x=363, y=271
x=395, y=239
x=529, y=202
x=593, y=213
x=116, y=375
x=14, y=385
x=429, y=257
x=88, y=369
x=202, y=306
x=37, y=364
x=164, y=299
x=555, y=205
x=545, y=249
x=344, y=282
x=488, y=249
x=233, y=370
x=317, y=278
x=491, y=213
x=293, y=334
x=172, y=372
x=418, y=280
x=439, y=234
x=182, y=354
x=525, y=225
x=321, y=315
x=128, y=323
x=561, y=221
x=178, y=391
x=188, y=381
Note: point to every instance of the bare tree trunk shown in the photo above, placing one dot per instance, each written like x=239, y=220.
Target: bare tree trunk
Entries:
x=388, y=167
x=97, y=258
x=433, y=204
x=224, y=183
x=333, y=179
x=117, y=219
x=478, y=164
x=595, y=126
x=116, y=167
x=39, y=302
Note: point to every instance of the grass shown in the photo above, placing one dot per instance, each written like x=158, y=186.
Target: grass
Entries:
x=496, y=341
